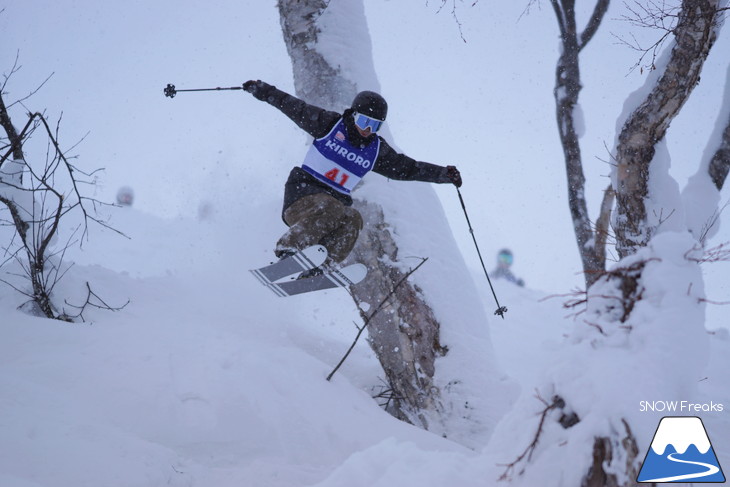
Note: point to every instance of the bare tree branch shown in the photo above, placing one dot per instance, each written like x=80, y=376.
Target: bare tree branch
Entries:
x=92, y=300
x=594, y=22
x=366, y=318
x=454, y=15
x=38, y=204
x=566, y=420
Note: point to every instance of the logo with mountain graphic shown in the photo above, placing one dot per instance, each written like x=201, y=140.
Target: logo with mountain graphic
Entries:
x=681, y=452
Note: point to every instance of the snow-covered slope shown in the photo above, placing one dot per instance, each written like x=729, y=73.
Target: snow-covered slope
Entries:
x=206, y=378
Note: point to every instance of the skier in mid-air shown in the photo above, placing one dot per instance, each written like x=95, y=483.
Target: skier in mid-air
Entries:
x=317, y=202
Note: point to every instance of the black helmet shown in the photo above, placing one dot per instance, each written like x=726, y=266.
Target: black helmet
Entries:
x=371, y=104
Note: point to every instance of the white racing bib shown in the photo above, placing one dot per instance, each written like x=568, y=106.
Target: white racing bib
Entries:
x=337, y=163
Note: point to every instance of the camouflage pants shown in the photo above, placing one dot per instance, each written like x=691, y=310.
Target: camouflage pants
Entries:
x=321, y=219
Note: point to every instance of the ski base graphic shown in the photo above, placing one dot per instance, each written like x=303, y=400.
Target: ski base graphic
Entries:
x=344, y=277
x=297, y=263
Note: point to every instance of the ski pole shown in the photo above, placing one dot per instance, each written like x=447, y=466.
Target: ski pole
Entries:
x=171, y=91
x=501, y=310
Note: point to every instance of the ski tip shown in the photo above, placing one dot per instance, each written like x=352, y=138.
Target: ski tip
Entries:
x=355, y=273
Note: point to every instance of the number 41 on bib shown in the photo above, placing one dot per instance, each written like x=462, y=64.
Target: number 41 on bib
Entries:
x=334, y=174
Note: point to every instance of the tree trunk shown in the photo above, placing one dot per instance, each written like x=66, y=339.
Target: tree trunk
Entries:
x=405, y=338
x=646, y=126
x=591, y=245
x=315, y=80
x=720, y=163
x=603, y=456
x=404, y=335
x=13, y=137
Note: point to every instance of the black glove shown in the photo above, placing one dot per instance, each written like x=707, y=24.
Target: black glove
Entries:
x=454, y=176
x=259, y=89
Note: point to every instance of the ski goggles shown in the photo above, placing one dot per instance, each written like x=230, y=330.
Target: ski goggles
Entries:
x=364, y=122
x=505, y=258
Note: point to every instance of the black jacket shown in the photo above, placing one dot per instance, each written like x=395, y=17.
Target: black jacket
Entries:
x=318, y=122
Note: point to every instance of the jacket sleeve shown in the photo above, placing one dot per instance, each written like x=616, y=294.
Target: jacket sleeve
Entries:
x=316, y=121
x=394, y=165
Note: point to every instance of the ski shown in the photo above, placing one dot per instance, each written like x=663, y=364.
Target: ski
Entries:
x=344, y=277
x=301, y=261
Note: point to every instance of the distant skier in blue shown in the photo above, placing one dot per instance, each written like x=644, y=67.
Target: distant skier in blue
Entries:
x=317, y=202
x=504, y=262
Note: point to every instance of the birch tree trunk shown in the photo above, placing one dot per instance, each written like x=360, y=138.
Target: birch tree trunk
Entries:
x=405, y=337
x=315, y=80
x=694, y=34
x=645, y=128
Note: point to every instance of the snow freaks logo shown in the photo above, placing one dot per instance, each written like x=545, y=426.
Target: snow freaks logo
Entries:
x=681, y=452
